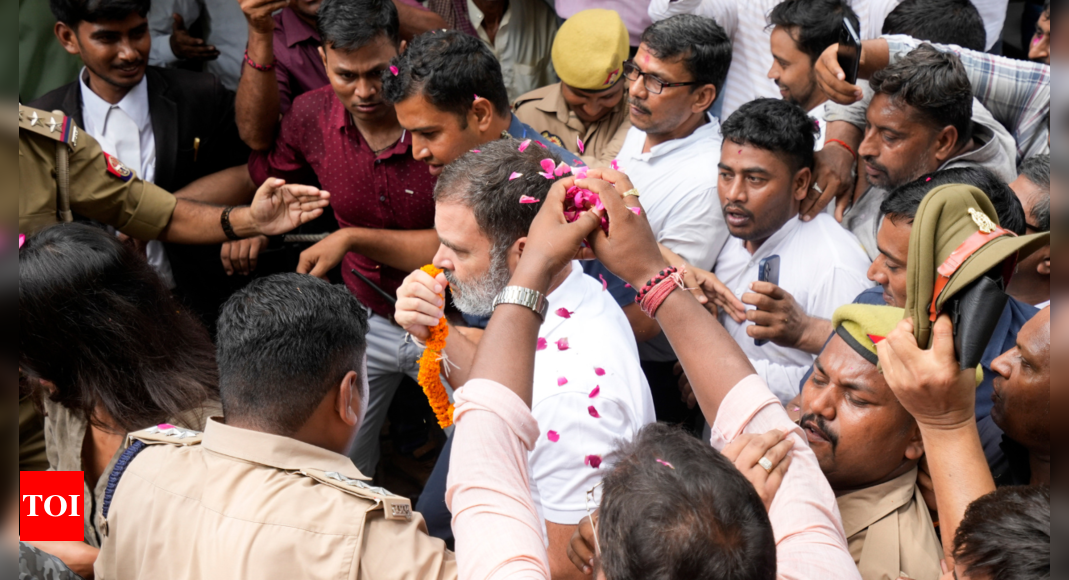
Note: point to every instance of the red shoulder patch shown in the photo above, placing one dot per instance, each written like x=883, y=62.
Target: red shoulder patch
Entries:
x=116, y=168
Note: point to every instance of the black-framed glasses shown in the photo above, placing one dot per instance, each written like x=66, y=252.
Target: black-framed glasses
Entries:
x=653, y=84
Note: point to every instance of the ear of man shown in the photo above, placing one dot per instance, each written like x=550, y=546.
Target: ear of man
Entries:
x=946, y=143
x=346, y=397
x=704, y=98
x=67, y=37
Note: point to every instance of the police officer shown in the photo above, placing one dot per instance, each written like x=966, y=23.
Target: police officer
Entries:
x=62, y=172
x=270, y=492
x=589, y=105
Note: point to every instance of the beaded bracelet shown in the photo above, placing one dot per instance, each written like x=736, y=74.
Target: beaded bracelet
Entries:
x=653, y=298
x=660, y=277
x=257, y=66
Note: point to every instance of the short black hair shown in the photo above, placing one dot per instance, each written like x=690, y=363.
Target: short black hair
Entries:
x=902, y=204
x=350, y=24
x=673, y=508
x=449, y=68
x=1046, y=9
x=1005, y=535
x=813, y=24
x=284, y=343
x=932, y=82
x=939, y=21
x=700, y=42
x=480, y=181
x=72, y=12
x=774, y=125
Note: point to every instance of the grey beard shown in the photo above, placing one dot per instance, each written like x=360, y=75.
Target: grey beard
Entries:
x=476, y=298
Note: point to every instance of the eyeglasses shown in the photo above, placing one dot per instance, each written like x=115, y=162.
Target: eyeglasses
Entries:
x=653, y=84
x=591, y=500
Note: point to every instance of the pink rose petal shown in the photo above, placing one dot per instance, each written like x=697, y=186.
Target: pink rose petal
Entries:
x=614, y=165
x=599, y=371
x=165, y=426
x=515, y=176
x=562, y=344
x=593, y=412
x=547, y=175
x=476, y=97
x=636, y=210
x=593, y=461
x=665, y=463
x=562, y=381
x=525, y=199
x=582, y=148
x=562, y=170
x=542, y=344
x=604, y=282
x=627, y=286
x=595, y=392
x=22, y=240
x=395, y=71
x=580, y=172
x=540, y=144
x=525, y=145
x=547, y=165
x=476, y=151
x=553, y=436
x=563, y=313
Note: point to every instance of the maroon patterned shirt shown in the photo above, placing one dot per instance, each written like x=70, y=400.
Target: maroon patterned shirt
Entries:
x=391, y=191
x=298, y=66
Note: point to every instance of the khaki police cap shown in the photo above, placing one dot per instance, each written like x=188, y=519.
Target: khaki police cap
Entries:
x=590, y=49
x=955, y=240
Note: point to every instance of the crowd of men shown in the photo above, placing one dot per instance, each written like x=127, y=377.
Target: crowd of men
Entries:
x=800, y=328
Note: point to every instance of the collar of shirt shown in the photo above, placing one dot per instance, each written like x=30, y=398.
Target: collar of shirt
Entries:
x=343, y=121
x=773, y=244
x=862, y=508
x=95, y=109
x=270, y=450
x=295, y=29
x=712, y=126
x=477, y=17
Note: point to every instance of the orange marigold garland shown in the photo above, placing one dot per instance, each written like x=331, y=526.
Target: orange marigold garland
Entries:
x=430, y=367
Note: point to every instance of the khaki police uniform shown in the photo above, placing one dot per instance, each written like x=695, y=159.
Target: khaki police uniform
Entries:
x=890, y=531
x=234, y=503
x=547, y=112
x=58, y=160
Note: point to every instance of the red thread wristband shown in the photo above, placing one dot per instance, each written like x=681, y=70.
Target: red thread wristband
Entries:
x=257, y=66
x=843, y=143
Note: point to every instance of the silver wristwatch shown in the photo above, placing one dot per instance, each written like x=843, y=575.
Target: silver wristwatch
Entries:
x=523, y=297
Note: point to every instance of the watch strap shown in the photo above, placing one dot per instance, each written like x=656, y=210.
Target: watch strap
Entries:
x=525, y=297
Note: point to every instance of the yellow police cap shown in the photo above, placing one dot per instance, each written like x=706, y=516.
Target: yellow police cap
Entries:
x=590, y=50
x=863, y=326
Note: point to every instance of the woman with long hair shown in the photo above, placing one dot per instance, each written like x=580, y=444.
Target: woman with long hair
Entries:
x=109, y=352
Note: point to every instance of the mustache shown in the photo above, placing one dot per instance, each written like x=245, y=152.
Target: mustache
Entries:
x=130, y=63
x=738, y=208
x=874, y=165
x=817, y=423
x=636, y=104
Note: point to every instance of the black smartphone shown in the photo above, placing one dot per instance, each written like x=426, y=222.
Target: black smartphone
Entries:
x=768, y=271
x=849, y=51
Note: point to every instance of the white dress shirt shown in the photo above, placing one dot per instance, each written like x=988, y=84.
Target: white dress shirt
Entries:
x=225, y=28
x=677, y=180
x=598, y=337
x=138, y=152
x=746, y=23
x=994, y=14
x=821, y=264
x=522, y=44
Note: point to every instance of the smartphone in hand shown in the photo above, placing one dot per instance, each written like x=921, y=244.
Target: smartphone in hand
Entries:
x=768, y=271
x=849, y=51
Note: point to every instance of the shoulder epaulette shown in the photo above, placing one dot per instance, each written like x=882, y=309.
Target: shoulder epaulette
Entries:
x=167, y=435
x=395, y=506
x=55, y=126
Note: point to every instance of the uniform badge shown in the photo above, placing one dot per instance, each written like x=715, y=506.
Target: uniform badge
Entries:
x=553, y=139
x=611, y=78
x=116, y=168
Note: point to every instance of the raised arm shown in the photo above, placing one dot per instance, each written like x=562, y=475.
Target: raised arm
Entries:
x=258, y=107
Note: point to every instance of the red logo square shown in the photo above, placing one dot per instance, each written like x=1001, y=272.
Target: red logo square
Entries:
x=51, y=506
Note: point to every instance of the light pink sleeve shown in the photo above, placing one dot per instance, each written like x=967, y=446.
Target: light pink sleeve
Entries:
x=810, y=541
x=496, y=525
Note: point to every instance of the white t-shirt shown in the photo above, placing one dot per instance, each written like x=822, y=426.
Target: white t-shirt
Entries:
x=567, y=385
x=677, y=181
x=746, y=23
x=821, y=264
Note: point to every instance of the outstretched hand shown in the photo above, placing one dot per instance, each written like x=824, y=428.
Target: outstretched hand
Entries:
x=629, y=249
x=552, y=241
x=280, y=207
x=929, y=383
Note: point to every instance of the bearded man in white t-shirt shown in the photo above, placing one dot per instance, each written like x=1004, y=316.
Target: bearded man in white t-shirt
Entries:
x=589, y=390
